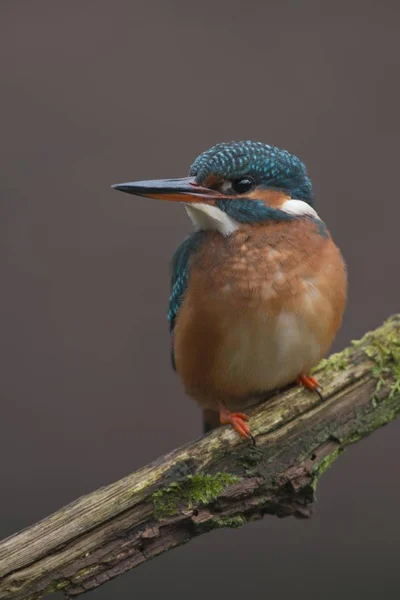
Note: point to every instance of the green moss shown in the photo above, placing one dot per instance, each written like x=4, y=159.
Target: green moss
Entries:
x=165, y=501
x=192, y=491
x=233, y=522
x=322, y=466
x=383, y=347
x=384, y=413
x=386, y=356
x=335, y=362
x=202, y=489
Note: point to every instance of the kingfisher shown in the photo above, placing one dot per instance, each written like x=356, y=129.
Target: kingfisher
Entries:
x=259, y=288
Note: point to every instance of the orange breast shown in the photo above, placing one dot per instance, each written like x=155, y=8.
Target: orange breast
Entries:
x=262, y=306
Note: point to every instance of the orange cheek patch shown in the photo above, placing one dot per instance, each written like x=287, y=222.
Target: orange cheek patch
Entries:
x=271, y=198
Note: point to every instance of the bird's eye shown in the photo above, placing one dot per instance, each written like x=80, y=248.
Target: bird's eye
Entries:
x=243, y=185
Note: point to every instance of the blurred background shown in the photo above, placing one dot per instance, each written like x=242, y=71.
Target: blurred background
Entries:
x=94, y=92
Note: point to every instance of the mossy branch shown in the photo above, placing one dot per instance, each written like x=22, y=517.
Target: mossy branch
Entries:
x=216, y=481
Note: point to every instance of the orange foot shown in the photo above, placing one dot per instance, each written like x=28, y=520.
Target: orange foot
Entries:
x=237, y=420
x=311, y=384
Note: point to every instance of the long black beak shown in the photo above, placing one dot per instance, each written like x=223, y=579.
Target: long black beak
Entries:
x=178, y=190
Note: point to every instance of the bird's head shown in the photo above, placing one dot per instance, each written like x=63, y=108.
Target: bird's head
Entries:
x=236, y=183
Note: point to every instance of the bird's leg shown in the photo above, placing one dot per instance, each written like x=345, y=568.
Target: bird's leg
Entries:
x=238, y=422
x=311, y=384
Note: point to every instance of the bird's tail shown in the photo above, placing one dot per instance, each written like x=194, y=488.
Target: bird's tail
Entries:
x=210, y=420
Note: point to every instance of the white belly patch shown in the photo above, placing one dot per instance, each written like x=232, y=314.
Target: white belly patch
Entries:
x=263, y=353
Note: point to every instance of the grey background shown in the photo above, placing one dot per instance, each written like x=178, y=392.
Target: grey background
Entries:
x=95, y=92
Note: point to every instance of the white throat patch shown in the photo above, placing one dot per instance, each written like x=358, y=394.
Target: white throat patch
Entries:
x=208, y=217
x=298, y=207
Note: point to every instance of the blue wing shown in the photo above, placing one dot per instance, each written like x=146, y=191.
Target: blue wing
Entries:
x=179, y=278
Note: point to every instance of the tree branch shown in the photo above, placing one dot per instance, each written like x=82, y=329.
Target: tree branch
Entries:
x=216, y=481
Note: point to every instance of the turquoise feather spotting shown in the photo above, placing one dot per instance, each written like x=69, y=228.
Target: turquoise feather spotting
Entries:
x=268, y=165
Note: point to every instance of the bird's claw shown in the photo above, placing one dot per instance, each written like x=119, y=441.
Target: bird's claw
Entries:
x=310, y=383
x=238, y=422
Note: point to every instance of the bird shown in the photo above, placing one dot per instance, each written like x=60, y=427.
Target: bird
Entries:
x=258, y=288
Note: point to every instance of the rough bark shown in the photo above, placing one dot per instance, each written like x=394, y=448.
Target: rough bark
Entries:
x=216, y=481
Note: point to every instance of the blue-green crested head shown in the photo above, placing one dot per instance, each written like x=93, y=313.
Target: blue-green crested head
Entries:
x=268, y=166
x=237, y=183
